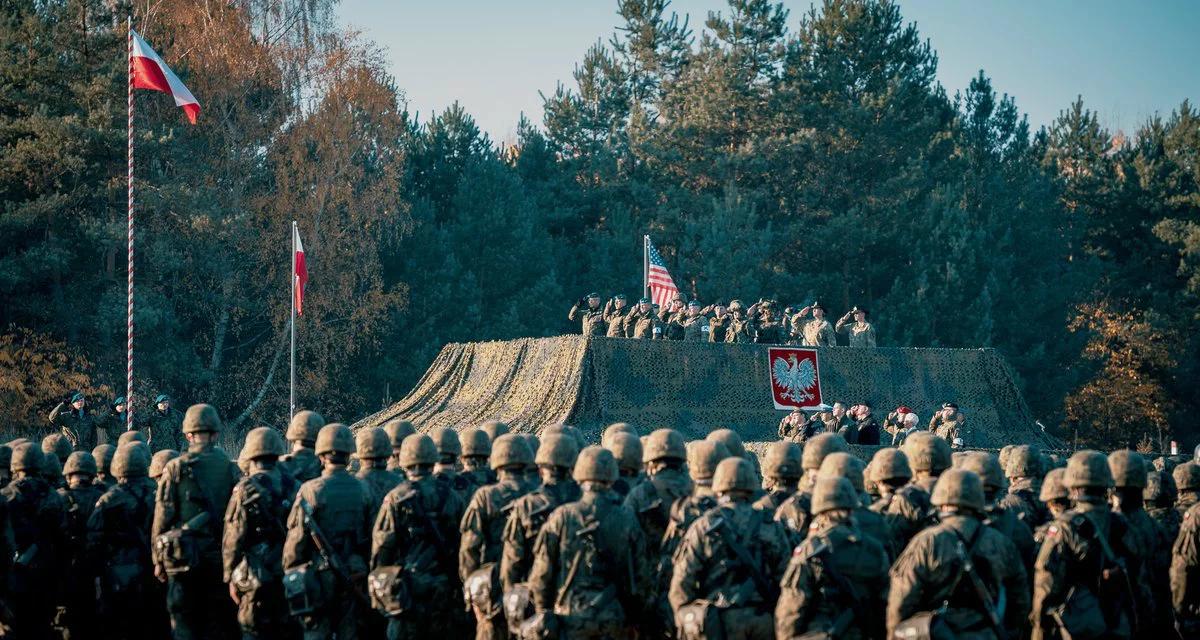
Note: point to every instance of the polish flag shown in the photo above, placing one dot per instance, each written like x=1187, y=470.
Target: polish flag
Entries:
x=301, y=272
x=150, y=72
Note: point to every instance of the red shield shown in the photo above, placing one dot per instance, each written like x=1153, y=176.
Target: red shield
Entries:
x=795, y=377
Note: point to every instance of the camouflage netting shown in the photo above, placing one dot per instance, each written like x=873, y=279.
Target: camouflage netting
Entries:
x=696, y=387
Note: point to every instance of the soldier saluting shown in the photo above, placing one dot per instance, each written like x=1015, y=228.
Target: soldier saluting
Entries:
x=816, y=332
x=641, y=321
x=587, y=310
x=615, y=311
x=861, y=332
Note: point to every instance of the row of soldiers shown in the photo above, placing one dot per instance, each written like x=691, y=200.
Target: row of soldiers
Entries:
x=762, y=322
x=86, y=428
x=857, y=424
x=546, y=537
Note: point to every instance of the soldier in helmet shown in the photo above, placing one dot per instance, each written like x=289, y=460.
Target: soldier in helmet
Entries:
x=341, y=506
x=301, y=435
x=795, y=512
x=57, y=445
x=740, y=329
x=133, y=436
x=767, y=324
x=733, y=443
x=836, y=574
x=1057, y=499
x=747, y=579
x=928, y=456
x=1159, y=499
x=905, y=506
x=995, y=485
x=615, y=311
x=1128, y=470
x=374, y=448
x=555, y=459
x=1187, y=486
x=1081, y=582
x=413, y=549
x=627, y=449
x=1185, y=575
x=79, y=498
x=948, y=424
x=397, y=430
x=252, y=545
x=861, y=331
x=588, y=312
x=161, y=425
x=718, y=324
x=1024, y=471
x=962, y=568
x=190, y=504
x=38, y=519
x=130, y=604
x=816, y=332
x=482, y=531
x=158, y=462
x=615, y=428
x=590, y=563
x=782, y=469
x=104, y=456
x=477, y=452
x=52, y=471
x=870, y=523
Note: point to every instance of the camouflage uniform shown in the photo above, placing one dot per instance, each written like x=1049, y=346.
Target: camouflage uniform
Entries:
x=1187, y=483
x=707, y=566
x=1024, y=472
x=374, y=448
x=782, y=466
x=197, y=484
x=640, y=323
x=768, y=329
x=1185, y=575
x=592, y=318
x=792, y=424
x=80, y=427
x=397, y=430
x=557, y=455
x=861, y=334
x=341, y=509
x=930, y=573
x=695, y=328
x=1152, y=586
x=905, y=507
x=79, y=499
x=103, y=454
x=1005, y=521
x=627, y=449
x=614, y=318
x=869, y=523
x=929, y=456
x=252, y=544
x=835, y=575
x=718, y=327
x=1159, y=498
x=38, y=518
x=301, y=433
x=740, y=329
x=162, y=429
x=948, y=429
x=672, y=321
x=795, y=513
x=819, y=333
x=416, y=536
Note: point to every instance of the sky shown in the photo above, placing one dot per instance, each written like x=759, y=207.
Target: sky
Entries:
x=1128, y=60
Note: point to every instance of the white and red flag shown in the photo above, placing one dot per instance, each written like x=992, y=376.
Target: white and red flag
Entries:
x=300, y=273
x=150, y=72
x=662, y=287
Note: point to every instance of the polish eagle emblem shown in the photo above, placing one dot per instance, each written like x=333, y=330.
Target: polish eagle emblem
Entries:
x=795, y=378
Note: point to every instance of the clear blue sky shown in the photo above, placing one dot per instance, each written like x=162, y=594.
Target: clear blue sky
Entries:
x=1128, y=59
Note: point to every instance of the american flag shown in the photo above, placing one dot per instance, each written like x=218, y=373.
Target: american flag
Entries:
x=662, y=287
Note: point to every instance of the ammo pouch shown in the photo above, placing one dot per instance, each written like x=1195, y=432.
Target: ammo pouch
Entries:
x=302, y=589
x=518, y=606
x=541, y=626
x=926, y=625
x=389, y=591
x=699, y=620
x=481, y=590
x=178, y=551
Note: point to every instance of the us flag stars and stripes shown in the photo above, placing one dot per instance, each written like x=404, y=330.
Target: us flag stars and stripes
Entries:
x=658, y=279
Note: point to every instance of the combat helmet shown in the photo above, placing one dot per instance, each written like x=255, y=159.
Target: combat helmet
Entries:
x=820, y=446
x=832, y=492
x=1128, y=469
x=1087, y=469
x=201, y=418
x=987, y=467
x=731, y=440
x=1024, y=461
x=556, y=450
x=80, y=462
x=477, y=443
x=335, y=438
x=494, y=429
x=615, y=428
x=26, y=457
x=890, y=464
x=734, y=474
x=782, y=460
x=1053, y=487
x=159, y=461
x=418, y=450
x=57, y=445
x=627, y=449
x=840, y=464
x=508, y=451
x=959, y=488
x=595, y=464
x=261, y=442
x=664, y=444
x=103, y=453
x=304, y=427
x=1186, y=476
x=703, y=456
x=926, y=452
x=51, y=468
x=372, y=443
x=131, y=461
x=396, y=431
x=446, y=441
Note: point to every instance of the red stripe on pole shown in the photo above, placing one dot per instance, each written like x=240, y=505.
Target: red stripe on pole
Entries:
x=129, y=402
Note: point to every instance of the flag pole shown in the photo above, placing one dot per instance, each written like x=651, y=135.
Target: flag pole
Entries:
x=646, y=266
x=292, y=386
x=129, y=403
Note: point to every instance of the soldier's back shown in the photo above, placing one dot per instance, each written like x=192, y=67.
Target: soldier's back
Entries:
x=380, y=482
x=1185, y=574
x=302, y=464
x=651, y=500
x=795, y=514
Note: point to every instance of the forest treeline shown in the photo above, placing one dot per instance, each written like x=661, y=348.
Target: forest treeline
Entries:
x=768, y=154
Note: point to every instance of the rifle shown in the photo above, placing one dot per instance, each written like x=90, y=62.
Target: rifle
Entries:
x=325, y=549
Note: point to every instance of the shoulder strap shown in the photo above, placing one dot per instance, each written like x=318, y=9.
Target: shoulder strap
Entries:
x=743, y=556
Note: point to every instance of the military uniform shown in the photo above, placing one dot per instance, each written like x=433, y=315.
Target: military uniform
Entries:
x=38, y=518
x=525, y=520
x=1159, y=497
x=162, y=429
x=301, y=433
x=818, y=333
x=672, y=323
x=79, y=499
x=782, y=466
x=80, y=427
x=792, y=424
x=196, y=485
x=740, y=329
x=640, y=323
x=718, y=327
x=948, y=430
x=861, y=334
x=795, y=512
x=869, y=523
x=905, y=507
x=1024, y=472
x=767, y=328
x=591, y=318
x=614, y=319
x=374, y=448
x=1185, y=575
x=695, y=328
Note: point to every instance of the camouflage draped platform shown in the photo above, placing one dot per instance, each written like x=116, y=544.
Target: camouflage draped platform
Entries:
x=696, y=387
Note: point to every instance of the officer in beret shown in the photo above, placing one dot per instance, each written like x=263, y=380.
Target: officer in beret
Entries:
x=587, y=311
x=615, y=311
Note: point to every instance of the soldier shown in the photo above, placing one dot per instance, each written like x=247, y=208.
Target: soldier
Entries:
x=1081, y=583
x=1128, y=470
x=1024, y=470
x=995, y=486
x=482, y=531
x=413, y=549
x=158, y=462
x=767, y=327
x=905, y=506
x=119, y=539
x=588, y=312
x=641, y=322
x=695, y=322
x=783, y=470
x=112, y=424
x=795, y=512
x=836, y=574
x=132, y=436
x=718, y=324
x=555, y=458
x=741, y=326
x=734, y=555
x=947, y=424
x=1187, y=485
x=929, y=456
x=301, y=435
x=1057, y=500
x=1185, y=575
x=627, y=449
x=38, y=519
x=870, y=523
x=494, y=429
x=76, y=422
x=104, y=456
x=589, y=568
x=79, y=498
x=792, y=425
x=477, y=451
x=614, y=316
x=58, y=446
x=374, y=448
x=663, y=455
x=252, y=545
x=161, y=426
x=52, y=471
x=967, y=572
x=865, y=425
x=816, y=332
x=861, y=333
x=397, y=430
x=733, y=443
x=1159, y=499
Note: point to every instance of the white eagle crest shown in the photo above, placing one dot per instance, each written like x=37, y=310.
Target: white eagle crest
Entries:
x=795, y=377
